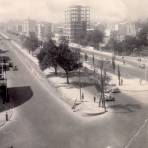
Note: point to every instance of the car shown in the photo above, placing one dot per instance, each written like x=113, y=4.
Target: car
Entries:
x=109, y=97
x=15, y=68
x=10, y=64
x=142, y=66
x=115, y=90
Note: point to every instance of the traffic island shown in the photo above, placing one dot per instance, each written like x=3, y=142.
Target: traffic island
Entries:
x=91, y=109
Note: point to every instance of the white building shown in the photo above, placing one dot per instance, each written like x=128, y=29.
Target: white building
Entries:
x=122, y=30
x=44, y=31
x=29, y=26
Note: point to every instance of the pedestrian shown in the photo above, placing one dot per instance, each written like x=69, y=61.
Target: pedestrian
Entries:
x=82, y=96
x=86, y=57
x=121, y=81
x=7, y=118
x=94, y=98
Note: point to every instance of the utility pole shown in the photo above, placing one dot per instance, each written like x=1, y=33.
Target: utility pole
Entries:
x=93, y=59
x=80, y=76
x=119, y=75
x=113, y=62
x=145, y=72
x=103, y=77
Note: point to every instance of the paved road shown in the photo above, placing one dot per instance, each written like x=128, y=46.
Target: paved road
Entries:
x=128, y=70
x=43, y=121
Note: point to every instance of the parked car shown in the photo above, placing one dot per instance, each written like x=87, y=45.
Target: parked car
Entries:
x=115, y=90
x=15, y=68
x=142, y=66
x=109, y=97
x=10, y=64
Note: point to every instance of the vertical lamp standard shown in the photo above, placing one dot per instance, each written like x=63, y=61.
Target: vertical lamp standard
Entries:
x=145, y=72
x=80, y=75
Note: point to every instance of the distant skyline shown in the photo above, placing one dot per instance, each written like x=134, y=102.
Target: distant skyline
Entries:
x=53, y=10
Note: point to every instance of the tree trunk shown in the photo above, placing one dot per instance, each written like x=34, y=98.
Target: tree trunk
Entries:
x=119, y=75
x=55, y=70
x=67, y=77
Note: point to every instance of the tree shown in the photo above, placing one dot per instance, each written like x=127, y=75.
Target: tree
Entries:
x=130, y=43
x=31, y=42
x=68, y=59
x=51, y=55
x=113, y=62
x=93, y=38
x=142, y=35
x=48, y=55
x=119, y=75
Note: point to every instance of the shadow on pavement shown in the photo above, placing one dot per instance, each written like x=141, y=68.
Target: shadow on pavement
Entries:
x=71, y=74
x=20, y=95
x=76, y=84
x=126, y=107
x=3, y=51
x=125, y=104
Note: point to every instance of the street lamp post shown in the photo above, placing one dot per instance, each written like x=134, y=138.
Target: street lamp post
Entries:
x=145, y=72
x=80, y=75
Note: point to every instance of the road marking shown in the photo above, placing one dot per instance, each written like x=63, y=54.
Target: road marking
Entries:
x=136, y=134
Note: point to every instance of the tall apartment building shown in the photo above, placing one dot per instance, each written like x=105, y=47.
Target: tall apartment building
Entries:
x=44, y=30
x=131, y=29
x=13, y=26
x=122, y=30
x=77, y=21
x=29, y=26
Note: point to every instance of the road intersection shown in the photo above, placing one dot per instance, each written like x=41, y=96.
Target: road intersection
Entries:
x=43, y=121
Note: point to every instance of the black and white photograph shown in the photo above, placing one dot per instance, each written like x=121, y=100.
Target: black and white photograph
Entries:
x=73, y=74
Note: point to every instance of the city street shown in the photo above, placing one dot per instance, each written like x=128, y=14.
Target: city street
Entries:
x=42, y=120
x=128, y=70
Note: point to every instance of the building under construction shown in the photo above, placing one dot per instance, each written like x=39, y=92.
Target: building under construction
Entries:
x=77, y=21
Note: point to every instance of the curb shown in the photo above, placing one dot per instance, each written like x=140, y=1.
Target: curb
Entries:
x=10, y=114
x=134, y=90
x=9, y=110
x=93, y=114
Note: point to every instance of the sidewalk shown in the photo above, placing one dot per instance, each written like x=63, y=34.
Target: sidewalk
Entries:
x=6, y=113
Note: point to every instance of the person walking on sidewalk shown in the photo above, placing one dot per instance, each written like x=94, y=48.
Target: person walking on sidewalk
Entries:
x=82, y=96
x=121, y=81
x=94, y=99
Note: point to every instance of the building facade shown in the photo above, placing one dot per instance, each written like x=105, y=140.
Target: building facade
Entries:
x=122, y=30
x=44, y=31
x=29, y=26
x=77, y=22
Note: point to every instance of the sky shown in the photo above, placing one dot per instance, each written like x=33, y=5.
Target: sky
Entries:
x=53, y=10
